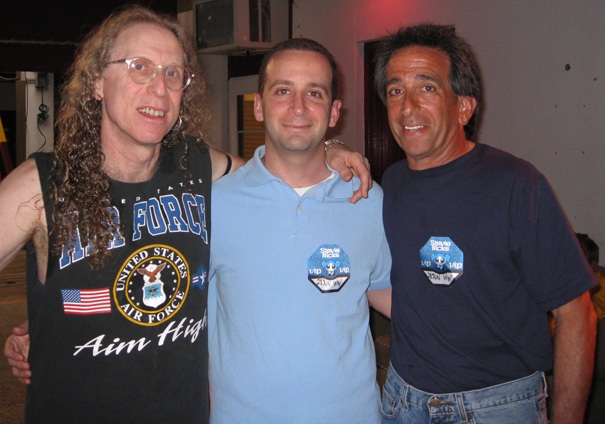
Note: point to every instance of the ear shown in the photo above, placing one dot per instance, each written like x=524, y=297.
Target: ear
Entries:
x=98, y=95
x=258, y=108
x=335, y=112
x=467, y=107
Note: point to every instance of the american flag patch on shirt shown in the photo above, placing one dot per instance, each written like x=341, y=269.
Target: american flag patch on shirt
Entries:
x=86, y=301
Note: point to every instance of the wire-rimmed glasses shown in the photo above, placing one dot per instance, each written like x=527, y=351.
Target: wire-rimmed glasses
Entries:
x=142, y=71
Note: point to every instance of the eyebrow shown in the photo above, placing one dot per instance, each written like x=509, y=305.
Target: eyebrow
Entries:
x=323, y=87
x=280, y=82
x=163, y=66
x=422, y=77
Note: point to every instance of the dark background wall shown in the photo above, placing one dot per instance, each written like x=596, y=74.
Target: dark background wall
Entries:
x=42, y=35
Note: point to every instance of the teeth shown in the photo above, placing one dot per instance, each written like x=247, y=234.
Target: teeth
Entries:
x=152, y=112
x=417, y=127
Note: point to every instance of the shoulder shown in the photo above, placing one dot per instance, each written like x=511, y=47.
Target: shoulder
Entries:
x=223, y=163
x=396, y=169
x=497, y=168
x=191, y=151
x=231, y=181
x=25, y=178
x=374, y=200
x=500, y=159
x=394, y=172
x=375, y=193
x=230, y=196
x=343, y=190
x=196, y=147
x=21, y=208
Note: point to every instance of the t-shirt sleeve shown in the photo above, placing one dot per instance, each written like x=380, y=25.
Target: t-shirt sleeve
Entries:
x=550, y=262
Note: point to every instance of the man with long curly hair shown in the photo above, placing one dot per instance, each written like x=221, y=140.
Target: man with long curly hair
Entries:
x=119, y=224
x=117, y=219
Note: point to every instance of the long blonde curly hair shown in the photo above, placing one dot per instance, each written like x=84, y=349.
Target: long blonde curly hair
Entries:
x=80, y=188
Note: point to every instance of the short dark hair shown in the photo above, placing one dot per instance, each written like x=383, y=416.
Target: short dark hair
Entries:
x=589, y=246
x=303, y=44
x=464, y=76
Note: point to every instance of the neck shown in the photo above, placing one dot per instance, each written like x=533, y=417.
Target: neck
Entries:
x=297, y=170
x=457, y=148
x=130, y=165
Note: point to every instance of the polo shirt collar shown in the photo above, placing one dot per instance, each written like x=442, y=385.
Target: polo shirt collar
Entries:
x=335, y=188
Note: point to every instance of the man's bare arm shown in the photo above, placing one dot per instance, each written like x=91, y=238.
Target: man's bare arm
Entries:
x=381, y=301
x=21, y=210
x=21, y=215
x=220, y=162
x=574, y=345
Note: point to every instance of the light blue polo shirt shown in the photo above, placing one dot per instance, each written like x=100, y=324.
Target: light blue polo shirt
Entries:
x=288, y=311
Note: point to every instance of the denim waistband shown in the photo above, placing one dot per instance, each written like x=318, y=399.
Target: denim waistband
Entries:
x=512, y=391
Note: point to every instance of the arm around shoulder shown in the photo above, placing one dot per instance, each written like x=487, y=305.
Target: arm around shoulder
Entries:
x=381, y=301
x=220, y=163
x=349, y=163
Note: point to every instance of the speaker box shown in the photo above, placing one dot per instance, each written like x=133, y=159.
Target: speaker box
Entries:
x=236, y=26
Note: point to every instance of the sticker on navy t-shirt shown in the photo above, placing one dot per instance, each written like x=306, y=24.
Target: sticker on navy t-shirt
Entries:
x=329, y=268
x=441, y=261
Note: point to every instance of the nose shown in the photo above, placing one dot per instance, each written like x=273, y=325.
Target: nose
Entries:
x=157, y=85
x=298, y=106
x=409, y=105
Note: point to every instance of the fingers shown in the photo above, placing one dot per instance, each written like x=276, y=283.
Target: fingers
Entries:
x=362, y=191
x=20, y=369
x=22, y=329
x=19, y=365
x=362, y=171
x=13, y=348
x=348, y=164
x=16, y=349
x=356, y=196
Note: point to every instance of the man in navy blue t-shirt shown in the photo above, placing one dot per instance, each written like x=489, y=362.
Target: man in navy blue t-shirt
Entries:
x=481, y=252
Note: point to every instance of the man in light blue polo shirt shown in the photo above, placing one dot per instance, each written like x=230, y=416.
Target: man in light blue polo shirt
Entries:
x=293, y=264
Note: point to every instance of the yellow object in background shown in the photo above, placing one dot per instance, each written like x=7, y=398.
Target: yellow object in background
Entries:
x=2, y=135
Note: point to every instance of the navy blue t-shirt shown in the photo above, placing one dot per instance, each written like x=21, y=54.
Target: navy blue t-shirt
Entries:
x=481, y=251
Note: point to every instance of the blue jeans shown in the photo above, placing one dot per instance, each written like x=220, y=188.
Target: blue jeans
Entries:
x=515, y=402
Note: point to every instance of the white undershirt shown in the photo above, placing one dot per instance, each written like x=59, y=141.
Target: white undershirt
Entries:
x=302, y=190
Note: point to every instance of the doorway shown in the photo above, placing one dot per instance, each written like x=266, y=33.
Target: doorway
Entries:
x=245, y=132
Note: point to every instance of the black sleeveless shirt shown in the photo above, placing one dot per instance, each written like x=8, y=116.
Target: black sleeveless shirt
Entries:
x=128, y=344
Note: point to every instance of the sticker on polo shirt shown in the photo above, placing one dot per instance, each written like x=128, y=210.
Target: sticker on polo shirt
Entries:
x=441, y=261
x=329, y=268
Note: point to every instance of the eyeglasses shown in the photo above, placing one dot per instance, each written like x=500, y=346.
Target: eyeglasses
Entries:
x=143, y=71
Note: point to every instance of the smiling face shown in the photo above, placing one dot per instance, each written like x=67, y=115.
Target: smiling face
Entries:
x=139, y=114
x=296, y=103
x=426, y=117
